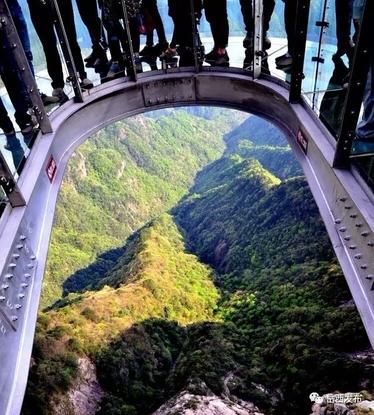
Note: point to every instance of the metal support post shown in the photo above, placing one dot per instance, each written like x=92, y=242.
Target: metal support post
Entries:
x=129, y=50
x=198, y=47
x=257, y=37
x=301, y=30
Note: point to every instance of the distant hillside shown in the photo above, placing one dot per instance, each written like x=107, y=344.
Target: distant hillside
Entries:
x=127, y=174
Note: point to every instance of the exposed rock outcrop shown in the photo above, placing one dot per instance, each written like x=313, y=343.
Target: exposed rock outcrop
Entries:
x=187, y=403
x=84, y=397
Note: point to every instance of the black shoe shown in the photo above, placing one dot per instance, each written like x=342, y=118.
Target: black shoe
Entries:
x=248, y=60
x=211, y=56
x=48, y=100
x=146, y=51
x=284, y=61
x=248, y=41
x=98, y=57
x=218, y=59
x=266, y=43
x=160, y=48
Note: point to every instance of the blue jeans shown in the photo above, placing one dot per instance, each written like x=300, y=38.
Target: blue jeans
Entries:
x=21, y=26
x=365, y=128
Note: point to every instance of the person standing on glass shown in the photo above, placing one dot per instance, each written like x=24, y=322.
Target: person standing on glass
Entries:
x=216, y=15
x=247, y=12
x=88, y=12
x=153, y=22
x=43, y=21
x=285, y=61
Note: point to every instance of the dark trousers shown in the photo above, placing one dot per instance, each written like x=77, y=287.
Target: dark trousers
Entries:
x=246, y=7
x=90, y=17
x=344, y=14
x=41, y=16
x=151, y=11
x=16, y=92
x=216, y=15
x=289, y=22
x=111, y=14
x=5, y=122
x=180, y=12
x=21, y=26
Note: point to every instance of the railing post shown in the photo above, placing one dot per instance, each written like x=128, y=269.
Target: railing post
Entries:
x=257, y=37
x=198, y=48
x=63, y=39
x=128, y=50
x=23, y=67
x=301, y=31
x=356, y=88
x=9, y=185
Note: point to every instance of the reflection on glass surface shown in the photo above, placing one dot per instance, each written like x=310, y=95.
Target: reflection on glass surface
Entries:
x=332, y=32
x=15, y=149
x=332, y=103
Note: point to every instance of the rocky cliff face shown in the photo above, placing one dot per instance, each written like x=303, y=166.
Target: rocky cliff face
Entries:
x=85, y=394
x=187, y=403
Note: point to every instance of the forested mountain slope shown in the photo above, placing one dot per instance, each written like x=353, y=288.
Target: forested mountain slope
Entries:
x=125, y=175
x=234, y=293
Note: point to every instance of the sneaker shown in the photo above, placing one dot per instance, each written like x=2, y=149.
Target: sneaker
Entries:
x=222, y=60
x=86, y=83
x=60, y=95
x=362, y=147
x=284, y=61
x=48, y=100
x=217, y=59
x=211, y=56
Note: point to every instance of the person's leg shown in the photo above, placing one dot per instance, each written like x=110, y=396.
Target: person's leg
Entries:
x=90, y=17
x=43, y=23
x=158, y=23
x=16, y=94
x=289, y=21
x=5, y=123
x=216, y=15
x=67, y=15
x=365, y=129
x=246, y=7
x=343, y=11
x=20, y=23
x=268, y=9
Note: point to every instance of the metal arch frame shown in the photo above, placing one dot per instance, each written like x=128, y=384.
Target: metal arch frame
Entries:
x=345, y=208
